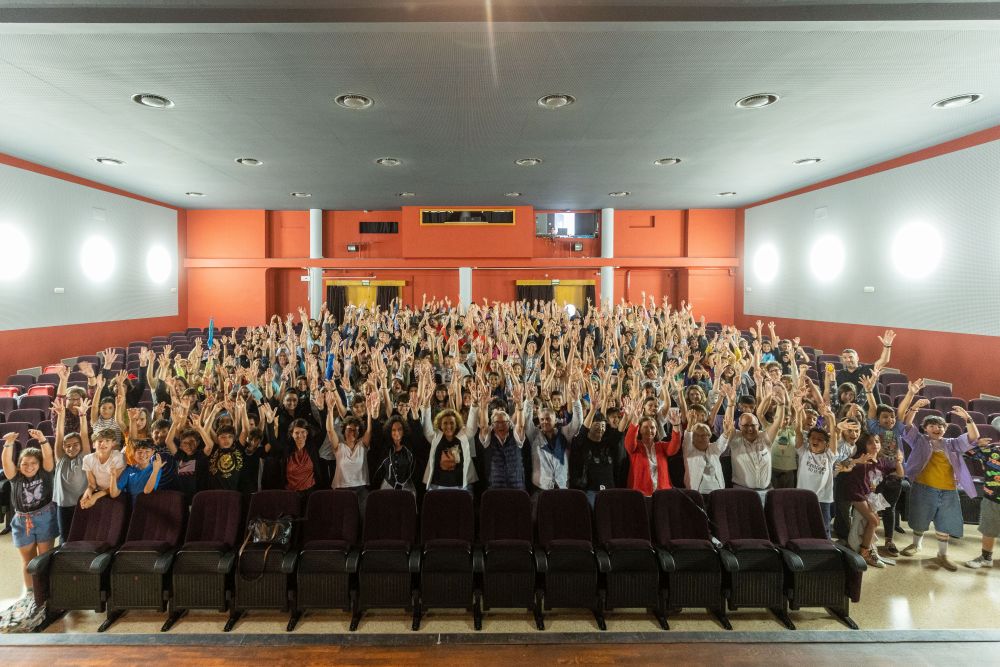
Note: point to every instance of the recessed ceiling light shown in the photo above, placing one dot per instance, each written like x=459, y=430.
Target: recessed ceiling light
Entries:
x=528, y=161
x=152, y=101
x=249, y=161
x=389, y=161
x=957, y=101
x=512, y=194
x=726, y=194
x=195, y=194
x=620, y=193
x=301, y=195
x=667, y=161
x=354, y=101
x=756, y=101
x=556, y=101
x=109, y=161
x=809, y=160
x=406, y=194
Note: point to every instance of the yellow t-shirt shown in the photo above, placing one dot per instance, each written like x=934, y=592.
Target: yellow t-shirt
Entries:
x=938, y=473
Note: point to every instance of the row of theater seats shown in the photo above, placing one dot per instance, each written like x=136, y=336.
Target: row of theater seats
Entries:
x=663, y=554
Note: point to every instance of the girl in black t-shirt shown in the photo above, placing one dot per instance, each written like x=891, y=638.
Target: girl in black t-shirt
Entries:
x=35, y=521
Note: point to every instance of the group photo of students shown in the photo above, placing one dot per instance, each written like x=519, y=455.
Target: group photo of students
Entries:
x=527, y=395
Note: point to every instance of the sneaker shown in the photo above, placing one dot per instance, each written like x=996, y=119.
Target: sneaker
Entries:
x=979, y=562
x=942, y=561
x=871, y=557
x=910, y=550
x=889, y=549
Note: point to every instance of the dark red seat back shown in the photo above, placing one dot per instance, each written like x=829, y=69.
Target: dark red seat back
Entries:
x=505, y=514
x=215, y=517
x=679, y=514
x=621, y=514
x=738, y=515
x=332, y=514
x=447, y=515
x=563, y=514
x=159, y=516
x=793, y=514
x=390, y=514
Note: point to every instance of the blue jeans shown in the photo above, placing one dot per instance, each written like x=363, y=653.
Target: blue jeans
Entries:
x=827, y=510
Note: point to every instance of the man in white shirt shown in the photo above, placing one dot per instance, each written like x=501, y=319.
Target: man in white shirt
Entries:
x=549, y=445
x=750, y=449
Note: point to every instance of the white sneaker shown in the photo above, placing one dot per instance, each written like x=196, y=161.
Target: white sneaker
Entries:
x=979, y=562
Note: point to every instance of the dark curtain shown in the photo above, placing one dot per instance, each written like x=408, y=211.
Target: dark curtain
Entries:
x=590, y=292
x=336, y=301
x=374, y=227
x=384, y=294
x=531, y=292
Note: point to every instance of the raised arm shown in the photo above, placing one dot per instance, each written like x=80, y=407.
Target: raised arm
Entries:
x=9, y=467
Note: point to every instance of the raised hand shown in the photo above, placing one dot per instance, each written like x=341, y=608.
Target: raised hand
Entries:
x=35, y=434
x=887, y=338
x=961, y=412
x=84, y=409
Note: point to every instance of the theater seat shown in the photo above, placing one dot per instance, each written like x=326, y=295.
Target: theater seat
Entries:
x=389, y=560
x=688, y=555
x=140, y=571
x=506, y=556
x=820, y=573
x=564, y=555
x=75, y=575
x=264, y=572
x=625, y=554
x=447, y=530
x=755, y=570
x=328, y=560
x=202, y=569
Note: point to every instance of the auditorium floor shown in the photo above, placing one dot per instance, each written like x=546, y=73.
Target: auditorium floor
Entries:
x=914, y=595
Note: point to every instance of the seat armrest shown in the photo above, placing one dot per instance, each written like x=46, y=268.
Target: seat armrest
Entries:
x=852, y=559
x=666, y=560
x=478, y=559
x=792, y=560
x=164, y=561
x=288, y=562
x=603, y=559
x=541, y=561
x=729, y=561
x=226, y=562
x=353, y=557
x=40, y=564
x=102, y=561
x=415, y=557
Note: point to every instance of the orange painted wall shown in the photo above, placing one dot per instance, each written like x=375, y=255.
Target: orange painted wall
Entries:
x=649, y=233
x=952, y=357
x=711, y=233
x=287, y=234
x=341, y=228
x=26, y=348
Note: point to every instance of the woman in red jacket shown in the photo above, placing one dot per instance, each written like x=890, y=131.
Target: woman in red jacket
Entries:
x=649, y=471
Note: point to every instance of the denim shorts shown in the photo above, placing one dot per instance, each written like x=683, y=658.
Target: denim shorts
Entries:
x=35, y=527
x=928, y=504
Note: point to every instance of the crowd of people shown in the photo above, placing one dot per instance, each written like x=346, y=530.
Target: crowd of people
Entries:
x=524, y=395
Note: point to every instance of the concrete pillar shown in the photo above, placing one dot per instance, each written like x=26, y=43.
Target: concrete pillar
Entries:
x=315, y=252
x=464, y=287
x=607, y=251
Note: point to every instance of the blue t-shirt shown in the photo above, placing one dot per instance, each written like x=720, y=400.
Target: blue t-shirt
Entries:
x=890, y=437
x=134, y=479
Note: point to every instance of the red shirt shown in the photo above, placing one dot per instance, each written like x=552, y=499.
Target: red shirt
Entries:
x=639, y=477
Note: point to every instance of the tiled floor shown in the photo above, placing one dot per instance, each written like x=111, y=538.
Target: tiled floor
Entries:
x=914, y=595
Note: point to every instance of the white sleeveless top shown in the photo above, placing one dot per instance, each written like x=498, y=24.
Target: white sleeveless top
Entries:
x=352, y=466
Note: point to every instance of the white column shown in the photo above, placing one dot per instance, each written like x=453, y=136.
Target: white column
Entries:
x=315, y=252
x=464, y=287
x=607, y=251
